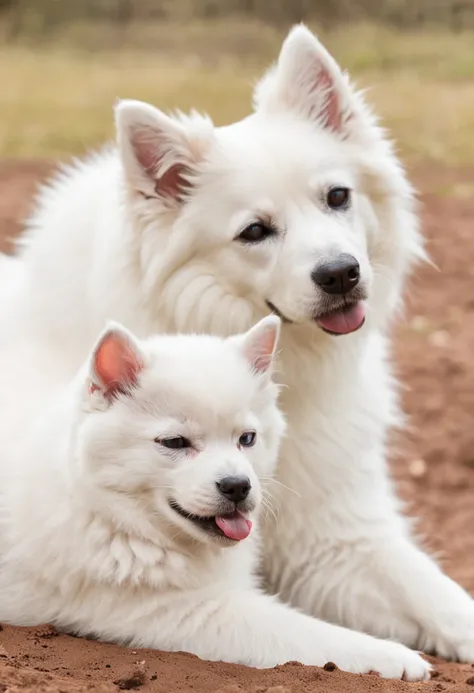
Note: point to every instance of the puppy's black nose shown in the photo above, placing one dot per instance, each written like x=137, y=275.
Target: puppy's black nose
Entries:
x=338, y=276
x=234, y=488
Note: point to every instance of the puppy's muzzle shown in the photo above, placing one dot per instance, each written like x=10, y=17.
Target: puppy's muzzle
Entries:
x=234, y=488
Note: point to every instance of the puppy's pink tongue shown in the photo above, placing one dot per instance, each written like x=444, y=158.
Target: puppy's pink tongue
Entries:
x=344, y=321
x=235, y=526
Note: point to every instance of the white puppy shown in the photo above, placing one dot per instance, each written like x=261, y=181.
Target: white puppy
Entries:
x=302, y=209
x=126, y=501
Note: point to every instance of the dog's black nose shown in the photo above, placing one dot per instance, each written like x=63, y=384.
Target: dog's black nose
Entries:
x=235, y=488
x=338, y=276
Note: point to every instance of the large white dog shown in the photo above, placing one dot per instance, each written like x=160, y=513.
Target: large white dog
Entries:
x=301, y=209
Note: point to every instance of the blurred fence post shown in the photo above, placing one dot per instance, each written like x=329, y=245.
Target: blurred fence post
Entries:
x=14, y=25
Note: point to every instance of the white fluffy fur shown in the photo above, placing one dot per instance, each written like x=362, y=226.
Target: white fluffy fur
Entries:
x=116, y=237
x=88, y=539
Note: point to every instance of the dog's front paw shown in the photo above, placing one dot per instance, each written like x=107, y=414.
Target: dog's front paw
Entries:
x=451, y=634
x=394, y=661
x=388, y=659
x=456, y=641
x=465, y=651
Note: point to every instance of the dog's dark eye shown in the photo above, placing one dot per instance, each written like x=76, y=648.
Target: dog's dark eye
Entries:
x=338, y=198
x=256, y=232
x=248, y=439
x=177, y=443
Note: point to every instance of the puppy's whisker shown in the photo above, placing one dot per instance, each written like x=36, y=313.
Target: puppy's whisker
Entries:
x=280, y=483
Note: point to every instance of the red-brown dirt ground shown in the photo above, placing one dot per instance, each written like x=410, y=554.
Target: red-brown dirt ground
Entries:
x=433, y=465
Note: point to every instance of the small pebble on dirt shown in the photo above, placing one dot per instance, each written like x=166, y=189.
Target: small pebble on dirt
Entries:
x=417, y=468
x=329, y=666
x=129, y=684
x=419, y=323
x=470, y=681
x=440, y=338
x=136, y=680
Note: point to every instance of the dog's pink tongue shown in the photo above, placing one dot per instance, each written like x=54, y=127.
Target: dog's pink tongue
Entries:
x=344, y=321
x=235, y=526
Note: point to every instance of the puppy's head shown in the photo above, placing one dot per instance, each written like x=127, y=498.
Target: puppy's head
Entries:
x=186, y=426
x=301, y=208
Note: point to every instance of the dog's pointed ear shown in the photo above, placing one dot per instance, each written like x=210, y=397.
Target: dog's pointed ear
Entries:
x=259, y=344
x=308, y=80
x=116, y=363
x=159, y=153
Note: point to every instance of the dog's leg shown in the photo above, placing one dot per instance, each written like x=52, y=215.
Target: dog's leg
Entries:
x=255, y=630
x=391, y=589
x=380, y=583
x=341, y=549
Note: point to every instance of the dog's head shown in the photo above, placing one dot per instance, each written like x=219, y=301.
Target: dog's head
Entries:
x=301, y=208
x=182, y=430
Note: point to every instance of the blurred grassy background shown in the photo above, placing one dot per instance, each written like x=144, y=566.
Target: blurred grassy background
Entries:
x=64, y=62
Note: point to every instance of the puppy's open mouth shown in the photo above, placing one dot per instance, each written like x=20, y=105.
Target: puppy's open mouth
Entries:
x=234, y=525
x=343, y=320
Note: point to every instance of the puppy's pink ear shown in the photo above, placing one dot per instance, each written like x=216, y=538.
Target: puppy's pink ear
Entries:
x=159, y=153
x=308, y=80
x=116, y=363
x=260, y=342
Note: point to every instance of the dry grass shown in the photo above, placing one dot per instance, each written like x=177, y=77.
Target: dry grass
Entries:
x=57, y=100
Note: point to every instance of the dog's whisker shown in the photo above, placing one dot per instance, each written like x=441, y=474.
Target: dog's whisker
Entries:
x=158, y=487
x=267, y=505
x=280, y=483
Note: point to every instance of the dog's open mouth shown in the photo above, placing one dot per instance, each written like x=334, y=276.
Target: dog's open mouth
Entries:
x=234, y=525
x=344, y=320
x=275, y=310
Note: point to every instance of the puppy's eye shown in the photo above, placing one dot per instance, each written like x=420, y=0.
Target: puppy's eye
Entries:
x=248, y=439
x=178, y=443
x=338, y=198
x=256, y=232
